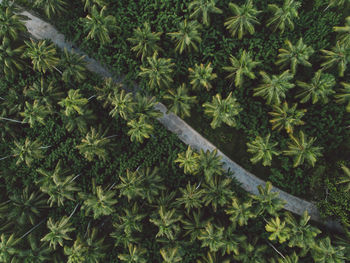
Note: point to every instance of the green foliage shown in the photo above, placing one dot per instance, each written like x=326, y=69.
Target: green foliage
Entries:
x=74, y=67
x=73, y=103
x=11, y=24
x=201, y=76
x=344, y=96
x=203, y=8
x=339, y=55
x=180, y=101
x=10, y=58
x=51, y=7
x=262, y=149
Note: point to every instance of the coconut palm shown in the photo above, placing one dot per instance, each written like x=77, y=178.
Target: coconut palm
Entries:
x=187, y=36
x=279, y=230
x=325, y=252
x=320, y=88
x=11, y=24
x=131, y=185
x=107, y=91
x=232, y=240
x=343, y=96
x=79, y=122
x=123, y=104
x=140, y=129
x=218, y=192
x=241, y=67
x=345, y=179
x=244, y=19
x=262, y=149
x=34, y=113
x=240, y=212
x=10, y=58
x=180, y=101
x=99, y=26
x=145, y=106
x=45, y=94
x=344, y=37
x=89, y=3
x=283, y=16
x=213, y=257
x=189, y=161
x=170, y=255
x=201, y=76
x=251, y=252
x=274, y=88
x=94, y=144
x=73, y=103
x=74, y=67
x=8, y=247
x=28, y=151
x=152, y=183
x=303, y=149
x=95, y=247
x=76, y=253
x=167, y=222
x=145, y=41
x=212, y=237
x=51, y=7
x=58, y=232
x=293, y=258
x=58, y=184
x=337, y=3
x=339, y=55
x=158, y=72
x=210, y=163
x=301, y=234
x=191, y=197
x=130, y=220
x=203, y=8
x=100, y=202
x=294, y=55
x=42, y=54
x=36, y=252
x=268, y=201
x=194, y=223
x=222, y=110
x=136, y=255
x=285, y=117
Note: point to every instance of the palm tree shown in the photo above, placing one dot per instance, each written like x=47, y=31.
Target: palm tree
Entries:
x=51, y=7
x=244, y=20
x=180, y=101
x=130, y=220
x=302, y=234
x=262, y=149
x=11, y=24
x=202, y=8
x=42, y=54
x=107, y=91
x=74, y=67
x=58, y=232
x=145, y=41
x=145, y=106
x=94, y=144
x=73, y=103
x=8, y=247
x=79, y=122
x=130, y=185
x=274, y=88
x=213, y=258
x=36, y=252
x=34, y=113
x=45, y=94
x=187, y=36
x=293, y=258
x=158, y=72
x=191, y=197
x=285, y=117
x=189, y=161
x=10, y=60
x=339, y=55
x=320, y=88
x=100, y=202
x=294, y=55
x=28, y=151
x=212, y=237
x=136, y=255
x=123, y=104
x=194, y=224
x=140, y=129
x=325, y=252
x=152, y=182
x=76, y=253
x=251, y=253
x=345, y=179
x=201, y=76
x=99, y=26
x=278, y=230
x=222, y=110
x=167, y=223
x=210, y=163
x=268, y=201
x=344, y=95
x=89, y=3
x=95, y=248
x=283, y=16
x=26, y=206
x=232, y=240
x=217, y=192
x=171, y=255
x=58, y=184
x=241, y=67
x=303, y=149
x=337, y=3
x=344, y=38
x=240, y=212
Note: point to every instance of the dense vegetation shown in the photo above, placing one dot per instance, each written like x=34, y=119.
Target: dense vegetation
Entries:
x=88, y=175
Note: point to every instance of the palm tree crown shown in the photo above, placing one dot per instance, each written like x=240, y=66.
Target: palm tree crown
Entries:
x=51, y=7
x=344, y=37
x=339, y=55
x=203, y=8
x=28, y=151
x=262, y=149
x=11, y=24
x=283, y=16
x=73, y=103
x=201, y=76
x=10, y=58
x=344, y=95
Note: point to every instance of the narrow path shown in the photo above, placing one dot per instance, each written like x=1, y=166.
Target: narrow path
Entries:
x=40, y=29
